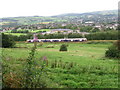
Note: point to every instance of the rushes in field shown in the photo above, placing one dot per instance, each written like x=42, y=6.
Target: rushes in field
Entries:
x=44, y=58
x=60, y=63
x=70, y=65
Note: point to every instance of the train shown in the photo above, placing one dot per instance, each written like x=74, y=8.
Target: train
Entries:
x=58, y=40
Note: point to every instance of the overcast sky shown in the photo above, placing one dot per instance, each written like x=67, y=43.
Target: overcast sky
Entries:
x=13, y=8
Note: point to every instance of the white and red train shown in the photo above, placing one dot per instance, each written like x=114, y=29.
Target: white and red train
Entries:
x=58, y=40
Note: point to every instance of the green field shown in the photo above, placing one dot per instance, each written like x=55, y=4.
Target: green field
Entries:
x=35, y=31
x=16, y=34
x=90, y=67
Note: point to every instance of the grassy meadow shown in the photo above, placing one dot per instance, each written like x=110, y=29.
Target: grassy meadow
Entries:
x=35, y=31
x=16, y=34
x=30, y=31
x=84, y=65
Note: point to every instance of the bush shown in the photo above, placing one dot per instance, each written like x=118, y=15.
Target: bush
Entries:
x=7, y=41
x=113, y=52
x=63, y=47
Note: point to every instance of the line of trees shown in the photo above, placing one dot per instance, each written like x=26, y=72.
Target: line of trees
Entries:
x=22, y=37
x=112, y=35
x=19, y=31
x=49, y=36
x=57, y=36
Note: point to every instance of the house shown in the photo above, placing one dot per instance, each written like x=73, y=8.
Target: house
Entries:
x=84, y=33
x=43, y=33
x=98, y=26
x=112, y=26
x=77, y=31
x=89, y=23
x=64, y=24
x=61, y=30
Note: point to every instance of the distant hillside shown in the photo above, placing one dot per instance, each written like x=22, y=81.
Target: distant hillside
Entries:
x=106, y=12
x=98, y=16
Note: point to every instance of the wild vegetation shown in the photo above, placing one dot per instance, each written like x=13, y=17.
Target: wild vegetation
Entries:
x=84, y=65
x=114, y=50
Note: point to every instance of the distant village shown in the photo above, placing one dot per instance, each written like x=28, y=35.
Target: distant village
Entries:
x=65, y=28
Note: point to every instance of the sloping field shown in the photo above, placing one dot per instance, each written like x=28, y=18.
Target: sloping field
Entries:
x=90, y=68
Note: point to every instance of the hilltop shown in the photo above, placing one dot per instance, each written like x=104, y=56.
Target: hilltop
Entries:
x=108, y=16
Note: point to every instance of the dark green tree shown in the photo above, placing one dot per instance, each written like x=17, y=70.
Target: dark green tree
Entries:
x=7, y=41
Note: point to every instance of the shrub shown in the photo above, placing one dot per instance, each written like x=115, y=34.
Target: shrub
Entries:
x=7, y=41
x=113, y=52
x=63, y=47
